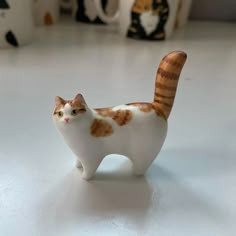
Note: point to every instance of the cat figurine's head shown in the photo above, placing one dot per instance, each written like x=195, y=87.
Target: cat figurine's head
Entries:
x=68, y=112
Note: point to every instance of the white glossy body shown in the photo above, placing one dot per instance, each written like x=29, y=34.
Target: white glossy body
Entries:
x=18, y=19
x=140, y=140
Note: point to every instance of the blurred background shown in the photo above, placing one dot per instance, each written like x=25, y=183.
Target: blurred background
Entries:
x=213, y=10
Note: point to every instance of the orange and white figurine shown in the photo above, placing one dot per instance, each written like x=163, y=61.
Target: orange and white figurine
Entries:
x=136, y=130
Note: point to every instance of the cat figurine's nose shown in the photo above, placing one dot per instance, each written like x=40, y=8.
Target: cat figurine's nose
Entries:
x=67, y=120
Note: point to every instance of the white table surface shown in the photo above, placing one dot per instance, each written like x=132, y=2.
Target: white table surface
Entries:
x=191, y=187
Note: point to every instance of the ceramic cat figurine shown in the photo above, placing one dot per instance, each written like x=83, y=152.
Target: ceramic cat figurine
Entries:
x=149, y=18
x=136, y=130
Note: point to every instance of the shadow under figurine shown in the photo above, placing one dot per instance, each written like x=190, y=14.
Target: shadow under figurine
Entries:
x=136, y=130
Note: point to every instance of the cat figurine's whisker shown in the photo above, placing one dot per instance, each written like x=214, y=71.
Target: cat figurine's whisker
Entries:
x=136, y=130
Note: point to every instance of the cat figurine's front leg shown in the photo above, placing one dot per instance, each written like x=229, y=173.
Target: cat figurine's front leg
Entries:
x=90, y=167
x=136, y=130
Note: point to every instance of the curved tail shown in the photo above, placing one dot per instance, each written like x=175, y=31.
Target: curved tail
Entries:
x=167, y=80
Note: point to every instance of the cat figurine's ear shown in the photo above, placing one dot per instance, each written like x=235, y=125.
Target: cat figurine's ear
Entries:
x=79, y=99
x=59, y=101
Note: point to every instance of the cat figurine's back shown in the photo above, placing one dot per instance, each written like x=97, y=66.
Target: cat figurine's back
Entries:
x=136, y=130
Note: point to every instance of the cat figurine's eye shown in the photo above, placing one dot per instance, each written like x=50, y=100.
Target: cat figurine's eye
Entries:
x=60, y=113
x=74, y=112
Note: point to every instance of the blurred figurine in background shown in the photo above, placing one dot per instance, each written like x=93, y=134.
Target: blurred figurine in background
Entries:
x=86, y=10
x=16, y=23
x=66, y=7
x=148, y=19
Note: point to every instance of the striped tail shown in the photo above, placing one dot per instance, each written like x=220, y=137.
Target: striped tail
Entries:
x=167, y=80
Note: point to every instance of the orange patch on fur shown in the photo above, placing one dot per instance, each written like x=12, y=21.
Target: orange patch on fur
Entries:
x=78, y=106
x=57, y=109
x=143, y=106
x=101, y=128
x=105, y=112
x=158, y=111
x=121, y=117
x=147, y=107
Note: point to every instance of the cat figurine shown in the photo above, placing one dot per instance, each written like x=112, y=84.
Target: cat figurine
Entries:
x=136, y=130
x=148, y=19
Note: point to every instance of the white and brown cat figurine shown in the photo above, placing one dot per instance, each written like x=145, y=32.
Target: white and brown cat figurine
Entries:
x=136, y=130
